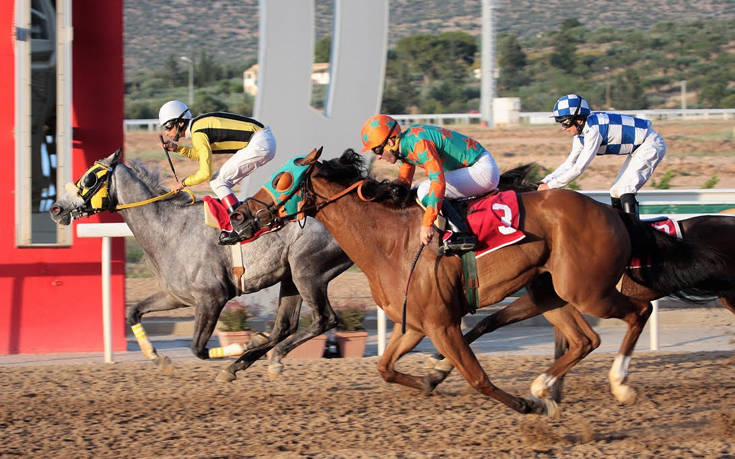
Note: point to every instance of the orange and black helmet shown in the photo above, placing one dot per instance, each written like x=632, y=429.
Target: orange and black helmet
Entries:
x=377, y=130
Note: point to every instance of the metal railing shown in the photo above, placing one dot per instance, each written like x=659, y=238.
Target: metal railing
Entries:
x=524, y=117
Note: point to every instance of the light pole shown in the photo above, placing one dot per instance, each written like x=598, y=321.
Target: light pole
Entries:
x=190, y=63
x=607, y=88
x=683, y=84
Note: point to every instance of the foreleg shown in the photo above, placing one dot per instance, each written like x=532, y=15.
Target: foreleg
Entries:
x=398, y=345
x=160, y=301
x=450, y=342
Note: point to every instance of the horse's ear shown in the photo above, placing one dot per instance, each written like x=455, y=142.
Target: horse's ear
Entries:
x=113, y=158
x=310, y=158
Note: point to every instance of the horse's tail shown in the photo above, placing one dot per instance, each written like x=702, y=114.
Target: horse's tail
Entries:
x=690, y=270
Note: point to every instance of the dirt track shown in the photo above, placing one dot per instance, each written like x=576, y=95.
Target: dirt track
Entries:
x=341, y=408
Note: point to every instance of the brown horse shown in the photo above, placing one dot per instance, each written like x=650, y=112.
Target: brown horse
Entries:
x=574, y=338
x=583, y=244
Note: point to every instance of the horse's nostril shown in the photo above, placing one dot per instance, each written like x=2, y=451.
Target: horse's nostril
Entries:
x=237, y=217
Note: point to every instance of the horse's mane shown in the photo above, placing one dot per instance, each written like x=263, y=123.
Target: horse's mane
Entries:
x=350, y=168
x=152, y=180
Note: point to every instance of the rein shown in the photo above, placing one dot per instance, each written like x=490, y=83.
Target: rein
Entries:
x=156, y=198
x=408, y=282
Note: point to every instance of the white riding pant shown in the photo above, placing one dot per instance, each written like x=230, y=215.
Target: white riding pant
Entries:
x=260, y=150
x=479, y=178
x=639, y=166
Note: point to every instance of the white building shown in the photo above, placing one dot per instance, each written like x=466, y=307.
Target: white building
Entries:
x=319, y=75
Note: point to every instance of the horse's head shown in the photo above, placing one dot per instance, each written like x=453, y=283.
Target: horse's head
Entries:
x=89, y=195
x=284, y=197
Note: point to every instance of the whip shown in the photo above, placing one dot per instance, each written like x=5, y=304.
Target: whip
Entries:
x=170, y=163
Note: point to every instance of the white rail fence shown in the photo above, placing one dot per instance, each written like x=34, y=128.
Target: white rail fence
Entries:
x=524, y=117
x=686, y=203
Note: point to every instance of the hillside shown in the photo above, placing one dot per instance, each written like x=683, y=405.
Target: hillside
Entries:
x=228, y=29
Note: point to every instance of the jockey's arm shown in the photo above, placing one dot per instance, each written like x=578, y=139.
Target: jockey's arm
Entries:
x=405, y=173
x=577, y=161
x=201, y=151
x=426, y=154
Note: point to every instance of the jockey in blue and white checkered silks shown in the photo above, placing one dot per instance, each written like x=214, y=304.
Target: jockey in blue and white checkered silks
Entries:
x=600, y=133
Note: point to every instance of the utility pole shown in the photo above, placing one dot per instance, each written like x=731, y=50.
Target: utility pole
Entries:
x=683, y=84
x=608, y=102
x=190, y=63
x=487, y=88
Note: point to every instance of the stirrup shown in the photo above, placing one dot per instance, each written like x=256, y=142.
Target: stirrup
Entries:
x=457, y=243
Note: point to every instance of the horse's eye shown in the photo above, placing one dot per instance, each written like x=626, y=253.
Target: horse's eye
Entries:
x=89, y=180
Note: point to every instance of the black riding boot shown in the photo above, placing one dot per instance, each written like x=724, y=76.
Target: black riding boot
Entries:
x=230, y=237
x=630, y=204
x=615, y=202
x=460, y=238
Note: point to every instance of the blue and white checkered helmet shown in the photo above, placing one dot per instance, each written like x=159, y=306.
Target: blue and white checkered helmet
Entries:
x=571, y=105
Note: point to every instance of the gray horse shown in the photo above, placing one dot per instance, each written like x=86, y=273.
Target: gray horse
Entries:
x=194, y=270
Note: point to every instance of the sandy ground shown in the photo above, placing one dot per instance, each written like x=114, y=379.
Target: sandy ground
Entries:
x=342, y=408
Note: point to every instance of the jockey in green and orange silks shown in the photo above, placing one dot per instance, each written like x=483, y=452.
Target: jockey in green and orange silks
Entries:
x=457, y=165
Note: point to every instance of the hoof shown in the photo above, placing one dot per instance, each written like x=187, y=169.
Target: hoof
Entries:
x=275, y=370
x=431, y=362
x=540, y=388
x=625, y=394
x=545, y=406
x=225, y=376
x=164, y=364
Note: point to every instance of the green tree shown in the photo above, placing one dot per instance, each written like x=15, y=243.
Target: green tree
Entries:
x=172, y=73
x=323, y=49
x=565, y=45
x=206, y=69
x=628, y=92
x=512, y=62
x=205, y=103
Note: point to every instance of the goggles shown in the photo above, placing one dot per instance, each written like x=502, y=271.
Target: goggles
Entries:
x=168, y=125
x=379, y=149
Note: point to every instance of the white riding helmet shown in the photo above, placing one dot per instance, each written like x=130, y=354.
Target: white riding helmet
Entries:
x=173, y=110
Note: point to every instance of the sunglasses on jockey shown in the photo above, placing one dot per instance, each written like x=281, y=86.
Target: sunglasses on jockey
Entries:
x=568, y=121
x=379, y=149
x=168, y=125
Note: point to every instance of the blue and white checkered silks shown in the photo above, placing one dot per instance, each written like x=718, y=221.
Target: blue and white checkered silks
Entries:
x=621, y=134
x=567, y=106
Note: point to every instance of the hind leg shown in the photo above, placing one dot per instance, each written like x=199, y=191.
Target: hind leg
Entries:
x=581, y=340
x=449, y=341
x=618, y=374
x=633, y=312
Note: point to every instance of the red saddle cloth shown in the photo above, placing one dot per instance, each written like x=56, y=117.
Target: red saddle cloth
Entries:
x=664, y=224
x=494, y=219
x=219, y=211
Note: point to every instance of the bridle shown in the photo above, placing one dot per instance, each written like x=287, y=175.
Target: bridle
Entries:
x=271, y=217
x=94, y=189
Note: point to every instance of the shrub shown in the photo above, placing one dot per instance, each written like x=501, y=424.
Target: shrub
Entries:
x=236, y=316
x=351, y=318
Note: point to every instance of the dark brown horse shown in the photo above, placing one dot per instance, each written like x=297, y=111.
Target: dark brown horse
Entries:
x=583, y=244
x=574, y=338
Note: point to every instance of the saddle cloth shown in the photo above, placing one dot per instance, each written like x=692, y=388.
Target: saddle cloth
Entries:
x=495, y=220
x=215, y=214
x=663, y=224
